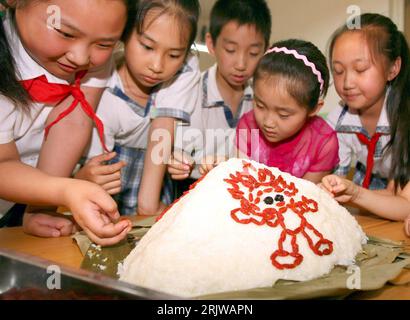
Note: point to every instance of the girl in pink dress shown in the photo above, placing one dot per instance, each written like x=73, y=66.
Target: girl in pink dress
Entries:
x=283, y=129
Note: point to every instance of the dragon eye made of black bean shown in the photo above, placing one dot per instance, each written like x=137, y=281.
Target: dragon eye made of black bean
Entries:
x=268, y=200
x=279, y=198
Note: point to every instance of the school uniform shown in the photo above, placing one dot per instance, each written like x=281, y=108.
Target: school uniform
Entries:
x=213, y=125
x=352, y=152
x=26, y=128
x=127, y=124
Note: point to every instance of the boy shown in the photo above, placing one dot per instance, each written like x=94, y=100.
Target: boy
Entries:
x=238, y=38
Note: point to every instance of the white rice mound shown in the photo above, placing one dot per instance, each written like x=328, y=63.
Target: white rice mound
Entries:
x=197, y=248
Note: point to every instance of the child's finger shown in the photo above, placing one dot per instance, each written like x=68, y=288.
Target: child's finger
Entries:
x=327, y=183
x=209, y=167
x=324, y=188
x=342, y=199
x=41, y=230
x=114, y=191
x=201, y=170
x=107, y=234
x=181, y=169
x=107, y=241
x=183, y=157
x=116, y=184
x=179, y=176
x=110, y=168
x=102, y=158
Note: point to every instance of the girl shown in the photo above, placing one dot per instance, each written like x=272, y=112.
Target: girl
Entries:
x=239, y=33
x=155, y=85
x=35, y=88
x=283, y=129
x=372, y=76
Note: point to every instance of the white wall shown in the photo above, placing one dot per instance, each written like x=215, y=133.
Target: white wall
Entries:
x=315, y=20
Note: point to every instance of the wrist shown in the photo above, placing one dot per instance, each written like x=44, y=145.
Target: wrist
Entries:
x=357, y=192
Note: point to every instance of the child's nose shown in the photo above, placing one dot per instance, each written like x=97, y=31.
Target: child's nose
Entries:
x=241, y=62
x=157, y=63
x=348, y=81
x=79, y=56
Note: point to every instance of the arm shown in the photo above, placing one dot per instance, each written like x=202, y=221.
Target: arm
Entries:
x=156, y=158
x=67, y=140
x=92, y=208
x=385, y=204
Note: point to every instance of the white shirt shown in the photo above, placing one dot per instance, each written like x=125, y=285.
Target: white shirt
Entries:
x=347, y=123
x=213, y=126
x=127, y=124
x=26, y=129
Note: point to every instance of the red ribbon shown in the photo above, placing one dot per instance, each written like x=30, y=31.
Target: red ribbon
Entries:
x=371, y=149
x=40, y=90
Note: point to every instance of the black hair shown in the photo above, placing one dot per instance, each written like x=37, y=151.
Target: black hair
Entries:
x=10, y=86
x=385, y=40
x=251, y=12
x=301, y=83
x=185, y=10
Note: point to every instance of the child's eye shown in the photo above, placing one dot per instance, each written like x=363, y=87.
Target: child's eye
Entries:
x=255, y=54
x=64, y=34
x=146, y=47
x=105, y=46
x=230, y=50
x=283, y=116
x=175, y=56
x=361, y=70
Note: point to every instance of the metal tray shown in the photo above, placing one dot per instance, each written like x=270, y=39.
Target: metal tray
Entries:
x=26, y=277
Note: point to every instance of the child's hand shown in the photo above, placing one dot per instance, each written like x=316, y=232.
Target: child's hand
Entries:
x=341, y=189
x=181, y=165
x=96, y=212
x=48, y=225
x=210, y=162
x=407, y=226
x=107, y=176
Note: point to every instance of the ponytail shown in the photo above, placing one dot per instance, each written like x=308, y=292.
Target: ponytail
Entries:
x=398, y=109
x=10, y=86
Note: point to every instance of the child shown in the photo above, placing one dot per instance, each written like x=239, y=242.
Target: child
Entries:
x=155, y=85
x=372, y=76
x=35, y=83
x=289, y=86
x=239, y=35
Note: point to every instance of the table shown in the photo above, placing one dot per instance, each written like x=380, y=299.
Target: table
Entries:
x=65, y=252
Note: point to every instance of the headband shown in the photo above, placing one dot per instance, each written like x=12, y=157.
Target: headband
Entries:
x=303, y=58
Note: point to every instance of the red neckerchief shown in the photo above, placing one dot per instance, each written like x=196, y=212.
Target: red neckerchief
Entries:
x=371, y=148
x=40, y=90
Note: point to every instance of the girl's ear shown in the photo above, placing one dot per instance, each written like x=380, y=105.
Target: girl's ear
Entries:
x=210, y=43
x=394, y=69
x=318, y=107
